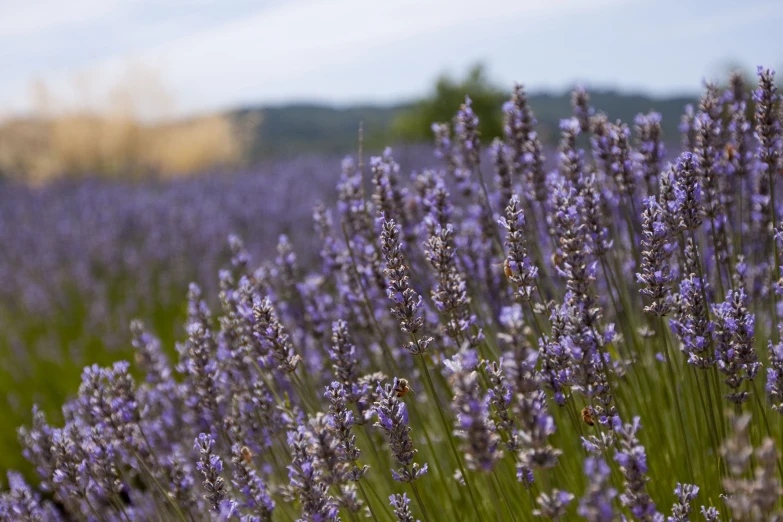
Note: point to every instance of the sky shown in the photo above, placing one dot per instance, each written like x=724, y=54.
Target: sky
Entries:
x=217, y=54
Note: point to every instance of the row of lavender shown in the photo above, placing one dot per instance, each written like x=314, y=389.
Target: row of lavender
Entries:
x=496, y=343
x=81, y=258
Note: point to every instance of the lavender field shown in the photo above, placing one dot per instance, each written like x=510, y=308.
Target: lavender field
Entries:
x=481, y=330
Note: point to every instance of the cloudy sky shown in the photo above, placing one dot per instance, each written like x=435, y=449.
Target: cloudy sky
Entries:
x=223, y=53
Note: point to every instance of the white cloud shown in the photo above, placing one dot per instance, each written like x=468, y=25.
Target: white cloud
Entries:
x=218, y=53
x=291, y=51
x=718, y=19
x=36, y=18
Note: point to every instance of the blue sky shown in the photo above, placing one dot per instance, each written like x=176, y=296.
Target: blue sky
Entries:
x=215, y=54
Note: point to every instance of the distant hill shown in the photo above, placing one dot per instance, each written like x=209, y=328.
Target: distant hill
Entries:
x=291, y=129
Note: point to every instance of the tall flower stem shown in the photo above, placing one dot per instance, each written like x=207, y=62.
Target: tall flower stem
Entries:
x=386, y=349
x=495, y=479
x=419, y=502
x=163, y=492
x=766, y=422
x=366, y=500
x=711, y=414
x=495, y=235
x=375, y=494
x=447, y=430
x=717, y=260
x=680, y=418
x=776, y=268
x=740, y=224
x=431, y=446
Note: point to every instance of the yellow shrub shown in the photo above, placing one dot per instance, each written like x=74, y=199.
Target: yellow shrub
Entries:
x=128, y=136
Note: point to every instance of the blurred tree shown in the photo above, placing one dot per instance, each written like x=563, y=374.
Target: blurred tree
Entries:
x=413, y=125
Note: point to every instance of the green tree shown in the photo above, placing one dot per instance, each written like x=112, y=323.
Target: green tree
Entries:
x=414, y=124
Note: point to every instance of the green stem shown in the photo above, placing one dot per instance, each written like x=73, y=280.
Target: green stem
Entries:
x=160, y=488
x=669, y=363
x=366, y=500
x=711, y=418
x=94, y=512
x=766, y=423
x=377, y=497
x=495, y=236
x=495, y=478
x=386, y=349
x=449, y=437
x=419, y=501
x=715, y=254
x=772, y=172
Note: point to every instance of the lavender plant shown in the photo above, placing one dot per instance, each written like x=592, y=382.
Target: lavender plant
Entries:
x=472, y=353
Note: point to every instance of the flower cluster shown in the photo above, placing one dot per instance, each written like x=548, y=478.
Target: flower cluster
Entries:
x=281, y=403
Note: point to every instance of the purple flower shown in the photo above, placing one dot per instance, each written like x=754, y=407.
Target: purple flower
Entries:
x=692, y=323
x=467, y=135
x=687, y=192
x=707, y=126
x=768, y=127
x=733, y=337
x=655, y=274
x=580, y=104
x=553, y=505
x=269, y=330
x=406, y=301
x=632, y=459
x=393, y=420
x=519, y=131
x=597, y=503
x=305, y=479
x=249, y=484
x=340, y=422
x=210, y=466
x=685, y=495
x=518, y=267
x=651, y=149
x=774, y=384
x=402, y=511
x=478, y=442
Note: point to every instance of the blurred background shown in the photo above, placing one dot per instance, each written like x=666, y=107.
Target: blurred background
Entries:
x=136, y=135
x=141, y=87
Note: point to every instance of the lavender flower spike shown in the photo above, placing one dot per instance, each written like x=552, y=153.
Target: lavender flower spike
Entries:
x=633, y=464
x=406, y=301
x=402, y=511
x=655, y=274
x=340, y=422
x=479, y=442
x=246, y=480
x=345, y=365
x=687, y=190
x=685, y=495
x=596, y=505
x=734, y=339
x=269, y=329
x=580, y=103
x=710, y=514
x=211, y=466
x=467, y=134
x=652, y=150
x=393, y=419
x=553, y=505
x=774, y=384
x=692, y=323
x=305, y=477
x=518, y=266
x=768, y=126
